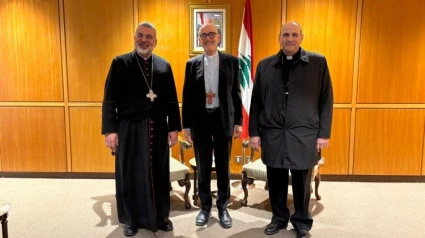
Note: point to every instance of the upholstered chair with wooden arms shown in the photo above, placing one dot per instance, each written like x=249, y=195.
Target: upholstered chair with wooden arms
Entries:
x=180, y=172
x=256, y=170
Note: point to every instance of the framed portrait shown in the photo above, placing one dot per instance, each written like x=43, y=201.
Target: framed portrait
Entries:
x=219, y=15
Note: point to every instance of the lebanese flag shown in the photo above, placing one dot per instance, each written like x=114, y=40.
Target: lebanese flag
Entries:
x=245, y=57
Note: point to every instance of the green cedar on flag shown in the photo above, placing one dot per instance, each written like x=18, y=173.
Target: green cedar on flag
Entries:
x=245, y=66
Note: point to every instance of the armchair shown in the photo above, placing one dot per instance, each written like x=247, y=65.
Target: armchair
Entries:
x=180, y=172
x=258, y=171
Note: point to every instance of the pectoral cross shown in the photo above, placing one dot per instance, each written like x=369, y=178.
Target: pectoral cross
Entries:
x=151, y=95
x=210, y=96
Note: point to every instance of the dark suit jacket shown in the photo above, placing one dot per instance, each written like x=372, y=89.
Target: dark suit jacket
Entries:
x=229, y=92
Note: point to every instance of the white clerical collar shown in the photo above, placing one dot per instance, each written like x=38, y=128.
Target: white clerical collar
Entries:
x=144, y=57
x=212, y=56
x=289, y=57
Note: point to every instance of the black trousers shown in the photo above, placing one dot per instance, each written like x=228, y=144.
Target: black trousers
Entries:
x=277, y=179
x=209, y=137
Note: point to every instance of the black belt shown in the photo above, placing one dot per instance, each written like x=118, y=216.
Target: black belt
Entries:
x=211, y=110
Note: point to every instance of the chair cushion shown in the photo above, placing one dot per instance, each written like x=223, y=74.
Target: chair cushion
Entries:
x=177, y=170
x=193, y=162
x=256, y=169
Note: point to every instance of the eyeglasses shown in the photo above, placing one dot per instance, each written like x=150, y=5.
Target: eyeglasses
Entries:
x=210, y=34
x=147, y=37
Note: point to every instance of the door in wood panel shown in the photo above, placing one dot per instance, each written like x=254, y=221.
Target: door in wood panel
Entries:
x=389, y=141
x=392, y=59
x=96, y=31
x=30, y=61
x=329, y=28
x=89, y=153
x=32, y=139
x=337, y=154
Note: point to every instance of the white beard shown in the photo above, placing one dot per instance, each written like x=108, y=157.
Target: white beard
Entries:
x=142, y=51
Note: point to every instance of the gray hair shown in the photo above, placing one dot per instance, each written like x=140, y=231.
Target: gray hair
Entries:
x=199, y=31
x=146, y=24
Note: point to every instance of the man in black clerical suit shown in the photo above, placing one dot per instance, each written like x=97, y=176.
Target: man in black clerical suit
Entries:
x=140, y=120
x=291, y=120
x=212, y=114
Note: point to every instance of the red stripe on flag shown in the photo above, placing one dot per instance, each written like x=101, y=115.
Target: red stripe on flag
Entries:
x=247, y=21
x=245, y=124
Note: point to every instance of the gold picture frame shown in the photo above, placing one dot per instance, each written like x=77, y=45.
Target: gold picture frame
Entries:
x=219, y=15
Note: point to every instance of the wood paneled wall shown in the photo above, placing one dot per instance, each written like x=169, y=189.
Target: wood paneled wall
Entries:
x=32, y=139
x=30, y=53
x=329, y=28
x=88, y=153
x=95, y=32
x=55, y=55
x=391, y=66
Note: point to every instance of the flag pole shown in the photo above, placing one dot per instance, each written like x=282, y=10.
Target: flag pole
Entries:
x=245, y=58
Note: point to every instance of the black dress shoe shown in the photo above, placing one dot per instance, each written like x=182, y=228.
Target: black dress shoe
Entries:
x=302, y=233
x=166, y=226
x=202, y=217
x=273, y=228
x=130, y=230
x=225, y=219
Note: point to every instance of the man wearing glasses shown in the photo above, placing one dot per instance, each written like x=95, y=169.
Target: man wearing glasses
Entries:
x=212, y=114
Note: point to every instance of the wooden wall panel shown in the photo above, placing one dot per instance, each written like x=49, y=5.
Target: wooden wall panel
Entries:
x=337, y=156
x=30, y=61
x=266, y=23
x=88, y=150
x=171, y=19
x=389, y=141
x=32, y=139
x=329, y=28
x=236, y=9
x=96, y=32
x=392, y=59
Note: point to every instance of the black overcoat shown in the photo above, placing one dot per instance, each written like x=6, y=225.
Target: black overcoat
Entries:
x=289, y=128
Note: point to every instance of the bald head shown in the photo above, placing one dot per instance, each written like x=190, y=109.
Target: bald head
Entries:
x=209, y=38
x=290, y=37
x=292, y=24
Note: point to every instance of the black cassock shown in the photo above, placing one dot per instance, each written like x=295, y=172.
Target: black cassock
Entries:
x=142, y=157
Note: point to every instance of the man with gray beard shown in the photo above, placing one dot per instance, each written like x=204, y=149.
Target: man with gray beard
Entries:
x=140, y=120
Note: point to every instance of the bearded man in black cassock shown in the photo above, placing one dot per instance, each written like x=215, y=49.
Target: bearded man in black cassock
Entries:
x=140, y=120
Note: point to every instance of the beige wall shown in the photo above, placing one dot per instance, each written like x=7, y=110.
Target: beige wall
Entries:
x=55, y=56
